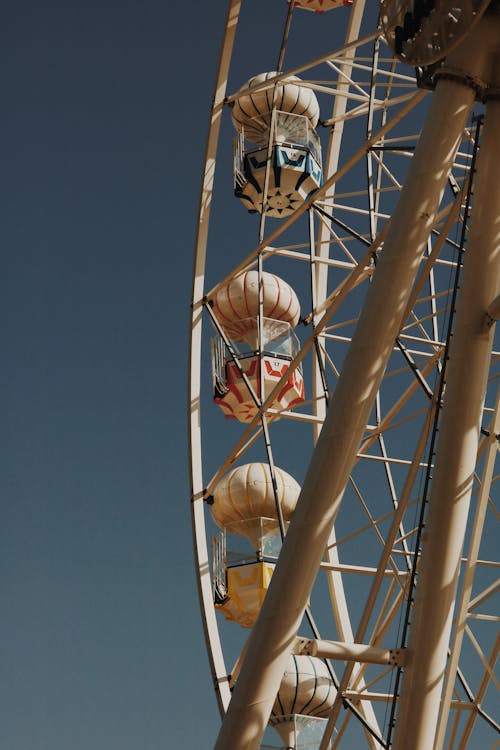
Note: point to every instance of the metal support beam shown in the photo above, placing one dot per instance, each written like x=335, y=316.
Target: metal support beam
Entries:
x=452, y=483
x=358, y=652
x=274, y=634
x=493, y=311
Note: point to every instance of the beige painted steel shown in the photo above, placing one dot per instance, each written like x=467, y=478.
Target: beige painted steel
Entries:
x=320, y=279
x=459, y=433
x=480, y=692
x=381, y=319
x=358, y=652
x=339, y=52
x=214, y=648
x=465, y=604
x=346, y=166
x=494, y=309
x=331, y=165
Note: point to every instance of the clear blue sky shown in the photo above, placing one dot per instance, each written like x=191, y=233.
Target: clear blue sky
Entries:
x=104, y=113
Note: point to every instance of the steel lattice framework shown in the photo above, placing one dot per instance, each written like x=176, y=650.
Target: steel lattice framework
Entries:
x=387, y=569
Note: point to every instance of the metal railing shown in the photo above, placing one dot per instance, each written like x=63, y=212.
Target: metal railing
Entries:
x=219, y=583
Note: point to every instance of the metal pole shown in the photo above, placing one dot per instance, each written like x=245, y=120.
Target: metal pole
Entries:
x=274, y=634
x=470, y=355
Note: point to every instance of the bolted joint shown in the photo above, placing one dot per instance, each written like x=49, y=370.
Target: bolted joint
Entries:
x=304, y=647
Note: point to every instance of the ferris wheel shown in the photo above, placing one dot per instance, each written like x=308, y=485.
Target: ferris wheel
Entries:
x=345, y=375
